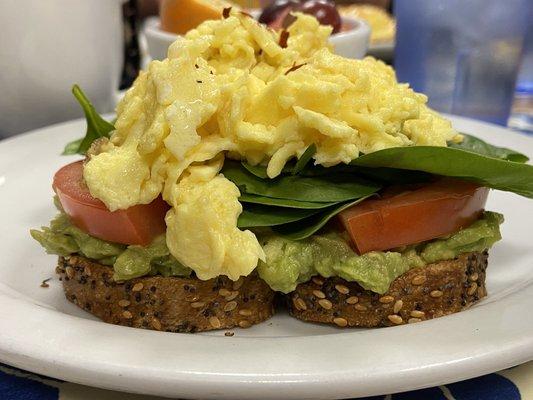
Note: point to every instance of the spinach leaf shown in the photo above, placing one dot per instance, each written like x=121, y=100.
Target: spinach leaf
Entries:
x=491, y=172
x=72, y=147
x=306, y=227
x=476, y=145
x=385, y=176
x=304, y=159
x=271, y=201
x=97, y=127
x=257, y=170
x=334, y=188
x=255, y=215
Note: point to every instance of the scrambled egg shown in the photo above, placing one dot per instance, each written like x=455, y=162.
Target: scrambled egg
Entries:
x=229, y=89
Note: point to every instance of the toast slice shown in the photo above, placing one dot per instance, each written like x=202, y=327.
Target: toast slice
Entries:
x=165, y=303
x=432, y=291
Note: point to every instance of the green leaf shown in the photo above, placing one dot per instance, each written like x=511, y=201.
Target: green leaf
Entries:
x=271, y=201
x=97, y=127
x=384, y=176
x=447, y=161
x=304, y=159
x=476, y=145
x=255, y=215
x=334, y=188
x=257, y=170
x=306, y=227
x=72, y=147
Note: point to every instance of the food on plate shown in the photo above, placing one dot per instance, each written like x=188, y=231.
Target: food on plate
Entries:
x=278, y=15
x=180, y=16
x=174, y=304
x=382, y=24
x=251, y=162
x=407, y=300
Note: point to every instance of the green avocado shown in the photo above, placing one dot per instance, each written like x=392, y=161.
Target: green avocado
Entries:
x=290, y=262
x=63, y=238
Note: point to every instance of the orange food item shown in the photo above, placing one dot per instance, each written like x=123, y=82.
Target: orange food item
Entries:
x=139, y=224
x=180, y=16
x=409, y=216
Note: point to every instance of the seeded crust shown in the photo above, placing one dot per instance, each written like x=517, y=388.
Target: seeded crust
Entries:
x=432, y=291
x=165, y=303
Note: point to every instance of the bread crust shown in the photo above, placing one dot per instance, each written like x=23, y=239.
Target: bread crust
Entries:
x=165, y=303
x=190, y=305
x=432, y=291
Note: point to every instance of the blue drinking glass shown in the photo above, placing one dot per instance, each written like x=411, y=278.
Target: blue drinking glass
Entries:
x=463, y=54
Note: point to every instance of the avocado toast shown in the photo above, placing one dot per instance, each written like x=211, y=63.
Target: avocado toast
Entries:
x=330, y=184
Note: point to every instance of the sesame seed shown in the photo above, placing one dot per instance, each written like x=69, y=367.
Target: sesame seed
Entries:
x=342, y=289
x=232, y=305
x=295, y=302
x=325, y=304
x=352, y=300
x=224, y=292
x=197, y=304
x=395, y=319
x=127, y=314
x=232, y=295
x=472, y=289
x=87, y=270
x=318, y=281
x=156, y=324
x=398, y=306
x=320, y=294
x=418, y=280
x=386, y=299
x=244, y=324
x=360, y=307
x=238, y=284
x=124, y=303
x=137, y=287
x=474, y=277
x=340, y=322
x=229, y=333
x=70, y=272
x=418, y=314
x=214, y=322
x=245, y=312
x=413, y=320
x=436, y=293
x=300, y=304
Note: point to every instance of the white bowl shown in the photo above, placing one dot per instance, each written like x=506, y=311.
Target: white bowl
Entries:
x=351, y=44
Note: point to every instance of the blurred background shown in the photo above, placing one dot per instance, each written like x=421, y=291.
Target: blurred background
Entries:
x=472, y=58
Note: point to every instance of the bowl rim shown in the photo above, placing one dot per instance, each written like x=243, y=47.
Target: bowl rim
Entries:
x=361, y=28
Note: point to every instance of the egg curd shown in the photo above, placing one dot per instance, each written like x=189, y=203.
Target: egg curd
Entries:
x=232, y=88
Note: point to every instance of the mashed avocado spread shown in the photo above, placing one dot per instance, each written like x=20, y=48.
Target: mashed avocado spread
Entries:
x=64, y=239
x=288, y=262
x=292, y=262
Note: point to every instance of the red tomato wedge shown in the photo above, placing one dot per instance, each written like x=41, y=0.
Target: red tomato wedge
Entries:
x=403, y=217
x=139, y=224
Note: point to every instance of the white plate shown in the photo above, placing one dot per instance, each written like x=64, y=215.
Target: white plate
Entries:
x=282, y=358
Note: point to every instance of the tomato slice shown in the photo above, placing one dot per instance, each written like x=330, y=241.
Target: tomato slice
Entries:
x=403, y=217
x=139, y=224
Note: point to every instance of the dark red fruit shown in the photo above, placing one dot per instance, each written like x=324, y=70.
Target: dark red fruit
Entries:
x=324, y=11
x=272, y=12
